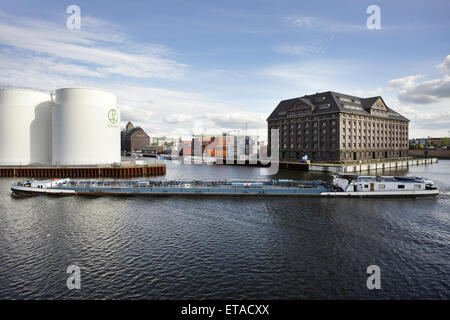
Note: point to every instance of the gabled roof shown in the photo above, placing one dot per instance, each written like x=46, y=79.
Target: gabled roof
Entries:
x=367, y=103
x=134, y=130
x=329, y=101
x=283, y=106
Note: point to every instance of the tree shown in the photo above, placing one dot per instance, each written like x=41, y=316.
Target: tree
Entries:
x=445, y=142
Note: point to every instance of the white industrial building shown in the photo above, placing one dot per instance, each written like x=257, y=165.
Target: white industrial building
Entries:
x=74, y=126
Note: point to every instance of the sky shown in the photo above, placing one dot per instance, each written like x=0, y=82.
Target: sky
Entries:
x=184, y=67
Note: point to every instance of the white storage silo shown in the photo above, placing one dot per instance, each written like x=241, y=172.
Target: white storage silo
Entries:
x=85, y=127
x=25, y=127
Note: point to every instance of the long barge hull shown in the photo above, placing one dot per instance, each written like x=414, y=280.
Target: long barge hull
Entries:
x=240, y=192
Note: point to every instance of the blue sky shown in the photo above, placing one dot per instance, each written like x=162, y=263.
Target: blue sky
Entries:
x=179, y=67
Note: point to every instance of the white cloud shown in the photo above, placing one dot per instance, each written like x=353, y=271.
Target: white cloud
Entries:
x=129, y=113
x=238, y=119
x=221, y=121
x=177, y=113
x=43, y=55
x=427, y=92
x=102, y=47
x=315, y=75
x=179, y=118
x=317, y=24
x=299, y=50
x=431, y=122
x=425, y=102
x=307, y=22
x=405, y=82
x=445, y=65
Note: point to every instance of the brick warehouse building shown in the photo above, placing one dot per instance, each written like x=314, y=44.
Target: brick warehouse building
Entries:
x=134, y=138
x=331, y=126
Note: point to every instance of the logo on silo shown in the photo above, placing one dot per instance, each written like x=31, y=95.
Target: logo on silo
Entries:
x=113, y=116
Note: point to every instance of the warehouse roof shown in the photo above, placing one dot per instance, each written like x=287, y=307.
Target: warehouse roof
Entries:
x=329, y=101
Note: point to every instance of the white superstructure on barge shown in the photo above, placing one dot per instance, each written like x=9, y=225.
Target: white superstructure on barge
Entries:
x=381, y=186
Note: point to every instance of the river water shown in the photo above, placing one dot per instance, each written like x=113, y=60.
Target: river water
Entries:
x=227, y=248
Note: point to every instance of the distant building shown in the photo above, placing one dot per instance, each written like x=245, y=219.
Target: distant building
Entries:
x=428, y=143
x=435, y=141
x=185, y=148
x=237, y=147
x=331, y=126
x=134, y=138
x=165, y=141
x=419, y=142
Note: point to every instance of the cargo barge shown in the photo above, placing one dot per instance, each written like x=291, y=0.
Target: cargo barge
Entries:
x=362, y=186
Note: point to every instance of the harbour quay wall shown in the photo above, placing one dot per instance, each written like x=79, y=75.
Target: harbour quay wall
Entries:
x=434, y=153
x=83, y=172
x=373, y=166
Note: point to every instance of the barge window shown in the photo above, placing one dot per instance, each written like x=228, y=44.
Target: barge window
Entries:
x=417, y=186
x=381, y=186
x=401, y=186
x=366, y=186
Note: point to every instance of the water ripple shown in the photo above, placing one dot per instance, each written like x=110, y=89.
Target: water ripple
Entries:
x=222, y=248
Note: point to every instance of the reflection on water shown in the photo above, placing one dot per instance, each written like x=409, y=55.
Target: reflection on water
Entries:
x=226, y=248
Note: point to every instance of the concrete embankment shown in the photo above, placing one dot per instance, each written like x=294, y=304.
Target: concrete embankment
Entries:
x=371, y=166
x=84, y=172
x=433, y=153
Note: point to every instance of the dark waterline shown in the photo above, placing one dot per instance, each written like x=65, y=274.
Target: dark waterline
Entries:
x=227, y=248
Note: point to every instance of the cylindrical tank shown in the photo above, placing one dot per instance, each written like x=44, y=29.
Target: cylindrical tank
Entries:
x=25, y=127
x=85, y=127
